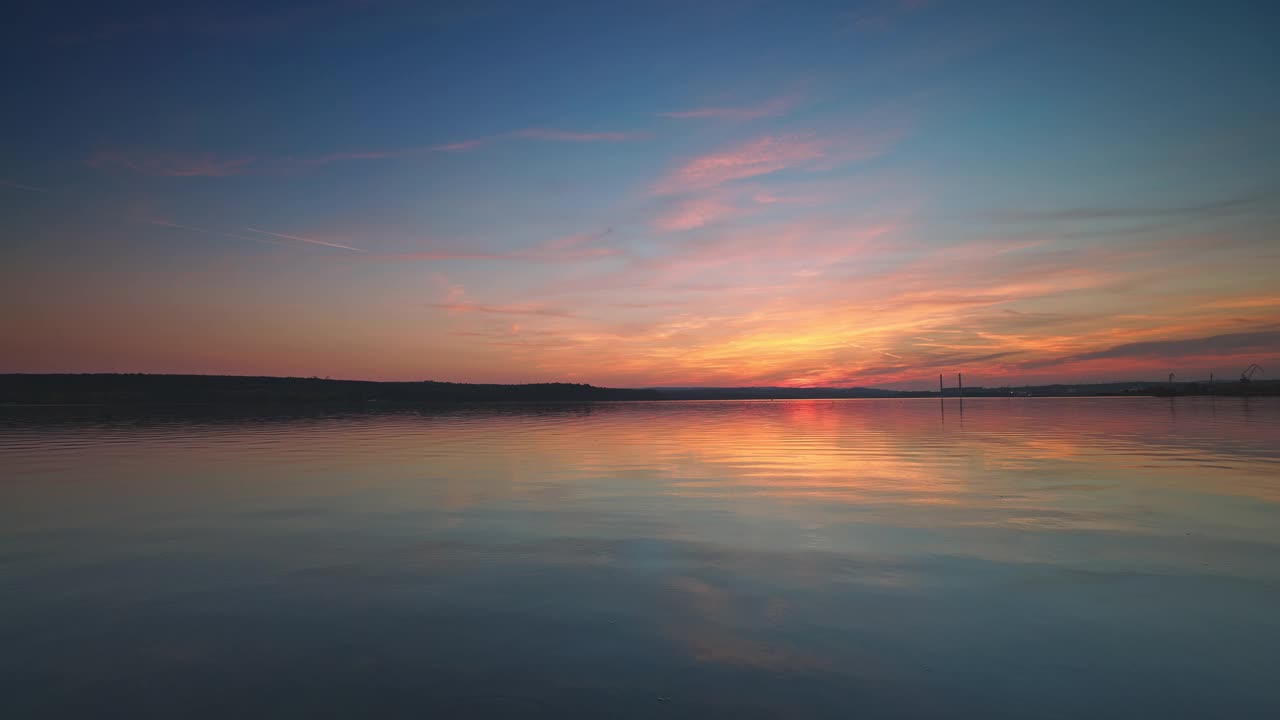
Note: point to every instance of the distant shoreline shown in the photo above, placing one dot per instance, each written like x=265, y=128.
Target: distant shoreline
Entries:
x=107, y=389
x=144, y=389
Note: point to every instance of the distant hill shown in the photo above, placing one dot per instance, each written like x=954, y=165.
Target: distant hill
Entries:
x=124, y=389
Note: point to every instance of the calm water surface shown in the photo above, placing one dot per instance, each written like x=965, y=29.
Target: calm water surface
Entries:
x=1108, y=558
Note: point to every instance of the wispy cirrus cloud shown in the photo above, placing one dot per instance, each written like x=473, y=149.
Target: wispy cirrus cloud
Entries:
x=23, y=186
x=174, y=164
x=697, y=212
x=460, y=306
x=456, y=301
x=442, y=255
x=217, y=165
x=772, y=258
x=359, y=155
x=761, y=156
x=881, y=15
x=548, y=134
x=722, y=205
x=775, y=253
x=770, y=108
x=572, y=136
x=462, y=145
x=1267, y=341
x=858, y=301
x=570, y=248
x=1256, y=301
x=1229, y=206
x=769, y=154
x=583, y=246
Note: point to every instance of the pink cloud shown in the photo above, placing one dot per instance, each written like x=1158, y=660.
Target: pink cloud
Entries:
x=571, y=136
x=772, y=153
x=458, y=306
x=761, y=156
x=769, y=259
x=765, y=197
x=457, y=302
x=806, y=245
x=462, y=145
x=726, y=204
x=840, y=299
x=584, y=246
x=771, y=108
x=437, y=255
x=696, y=213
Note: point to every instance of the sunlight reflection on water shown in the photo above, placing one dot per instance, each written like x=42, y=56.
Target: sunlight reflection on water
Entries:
x=1027, y=557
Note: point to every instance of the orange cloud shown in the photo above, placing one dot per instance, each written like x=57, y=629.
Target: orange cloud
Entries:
x=842, y=303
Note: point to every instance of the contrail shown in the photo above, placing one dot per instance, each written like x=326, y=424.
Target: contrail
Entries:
x=207, y=231
x=303, y=239
x=20, y=186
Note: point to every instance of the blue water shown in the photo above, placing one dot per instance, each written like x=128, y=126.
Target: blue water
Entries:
x=1047, y=558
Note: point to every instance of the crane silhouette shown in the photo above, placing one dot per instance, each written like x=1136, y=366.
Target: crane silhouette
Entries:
x=1247, y=375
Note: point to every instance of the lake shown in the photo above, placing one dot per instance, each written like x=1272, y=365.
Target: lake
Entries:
x=1011, y=558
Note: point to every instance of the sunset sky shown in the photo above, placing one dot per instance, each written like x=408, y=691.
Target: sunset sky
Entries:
x=643, y=194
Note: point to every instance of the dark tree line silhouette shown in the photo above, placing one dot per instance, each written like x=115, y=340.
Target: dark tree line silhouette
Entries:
x=180, y=389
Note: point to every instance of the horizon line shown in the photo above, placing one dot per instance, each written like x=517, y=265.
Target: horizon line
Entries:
x=1210, y=379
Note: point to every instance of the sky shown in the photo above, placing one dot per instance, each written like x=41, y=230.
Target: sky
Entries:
x=642, y=194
